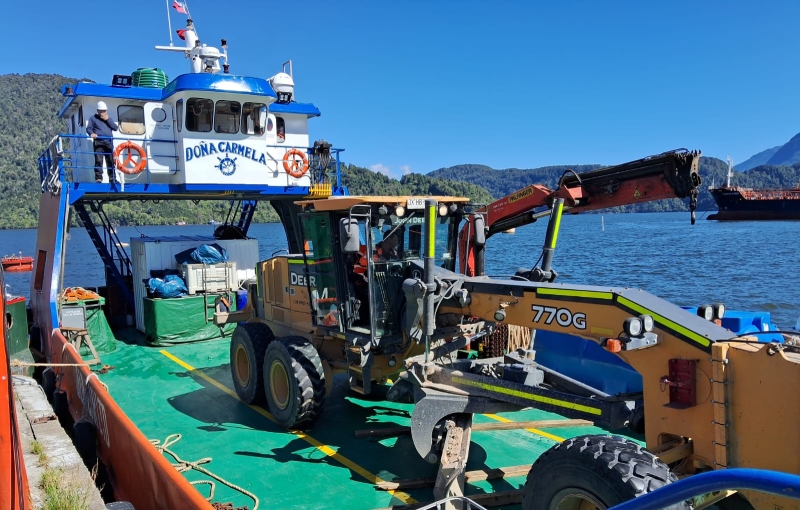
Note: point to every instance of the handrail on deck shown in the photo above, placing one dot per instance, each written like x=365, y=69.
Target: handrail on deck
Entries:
x=55, y=160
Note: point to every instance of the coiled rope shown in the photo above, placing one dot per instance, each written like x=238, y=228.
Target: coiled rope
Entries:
x=184, y=465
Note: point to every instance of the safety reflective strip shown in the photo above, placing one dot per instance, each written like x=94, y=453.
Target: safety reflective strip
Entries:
x=559, y=209
x=528, y=396
x=591, y=294
x=705, y=342
x=431, y=232
x=295, y=261
x=327, y=450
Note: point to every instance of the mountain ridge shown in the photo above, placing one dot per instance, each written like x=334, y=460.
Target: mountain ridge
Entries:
x=757, y=159
x=713, y=171
x=782, y=155
x=788, y=153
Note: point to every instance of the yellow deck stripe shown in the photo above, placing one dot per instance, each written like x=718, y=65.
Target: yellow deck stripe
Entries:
x=705, y=342
x=327, y=450
x=528, y=396
x=576, y=293
x=534, y=431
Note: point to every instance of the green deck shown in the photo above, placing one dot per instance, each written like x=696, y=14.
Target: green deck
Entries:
x=187, y=389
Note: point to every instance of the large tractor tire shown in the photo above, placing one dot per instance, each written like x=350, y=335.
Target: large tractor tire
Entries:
x=248, y=345
x=593, y=472
x=294, y=382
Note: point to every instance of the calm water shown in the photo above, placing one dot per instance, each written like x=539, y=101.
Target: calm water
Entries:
x=746, y=265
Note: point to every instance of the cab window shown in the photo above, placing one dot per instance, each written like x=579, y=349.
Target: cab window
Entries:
x=318, y=251
x=254, y=118
x=446, y=236
x=199, y=114
x=131, y=119
x=226, y=116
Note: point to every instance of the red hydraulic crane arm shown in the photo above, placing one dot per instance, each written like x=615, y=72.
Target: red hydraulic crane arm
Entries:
x=672, y=174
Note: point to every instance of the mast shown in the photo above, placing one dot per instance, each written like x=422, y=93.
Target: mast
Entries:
x=730, y=171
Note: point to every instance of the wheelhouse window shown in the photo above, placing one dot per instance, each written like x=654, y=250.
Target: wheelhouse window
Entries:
x=179, y=114
x=199, y=114
x=281, y=129
x=226, y=116
x=131, y=119
x=254, y=118
x=80, y=117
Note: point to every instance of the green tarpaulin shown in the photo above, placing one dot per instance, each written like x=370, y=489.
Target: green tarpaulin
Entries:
x=99, y=332
x=182, y=320
x=97, y=325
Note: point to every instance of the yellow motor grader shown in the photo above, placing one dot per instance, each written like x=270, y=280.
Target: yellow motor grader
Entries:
x=373, y=291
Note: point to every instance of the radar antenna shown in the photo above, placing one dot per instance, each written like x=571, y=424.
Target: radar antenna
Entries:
x=202, y=58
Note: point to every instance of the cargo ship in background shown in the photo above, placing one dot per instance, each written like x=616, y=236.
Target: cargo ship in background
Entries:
x=738, y=203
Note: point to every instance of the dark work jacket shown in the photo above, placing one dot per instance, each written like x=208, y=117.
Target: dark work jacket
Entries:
x=101, y=127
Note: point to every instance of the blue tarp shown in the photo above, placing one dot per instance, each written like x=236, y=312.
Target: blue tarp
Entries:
x=171, y=286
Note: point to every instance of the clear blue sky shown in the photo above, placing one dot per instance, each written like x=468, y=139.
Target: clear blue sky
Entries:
x=415, y=86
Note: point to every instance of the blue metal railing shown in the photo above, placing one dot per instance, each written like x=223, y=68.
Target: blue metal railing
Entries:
x=771, y=482
x=58, y=162
x=334, y=153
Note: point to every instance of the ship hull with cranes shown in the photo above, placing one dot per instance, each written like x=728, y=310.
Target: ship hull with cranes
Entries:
x=740, y=203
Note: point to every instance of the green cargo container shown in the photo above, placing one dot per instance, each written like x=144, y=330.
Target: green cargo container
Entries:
x=182, y=320
x=17, y=321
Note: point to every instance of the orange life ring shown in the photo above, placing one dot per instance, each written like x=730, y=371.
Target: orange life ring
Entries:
x=123, y=165
x=293, y=166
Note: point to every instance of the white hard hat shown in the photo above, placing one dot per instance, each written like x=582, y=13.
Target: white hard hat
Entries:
x=101, y=105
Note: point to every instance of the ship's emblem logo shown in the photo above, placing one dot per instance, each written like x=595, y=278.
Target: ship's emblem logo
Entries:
x=637, y=193
x=227, y=165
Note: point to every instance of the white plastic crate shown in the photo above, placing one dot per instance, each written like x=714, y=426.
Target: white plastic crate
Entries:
x=158, y=253
x=209, y=277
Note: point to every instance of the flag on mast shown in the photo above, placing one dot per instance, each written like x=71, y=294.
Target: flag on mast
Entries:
x=179, y=6
x=181, y=34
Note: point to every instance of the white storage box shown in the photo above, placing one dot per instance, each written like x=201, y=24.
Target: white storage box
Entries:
x=158, y=253
x=209, y=277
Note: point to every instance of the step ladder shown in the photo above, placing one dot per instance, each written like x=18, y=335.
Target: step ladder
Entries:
x=119, y=269
x=359, y=369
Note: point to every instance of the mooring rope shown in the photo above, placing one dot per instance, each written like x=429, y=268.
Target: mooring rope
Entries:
x=184, y=465
x=18, y=363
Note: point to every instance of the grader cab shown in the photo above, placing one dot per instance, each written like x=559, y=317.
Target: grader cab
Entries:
x=342, y=297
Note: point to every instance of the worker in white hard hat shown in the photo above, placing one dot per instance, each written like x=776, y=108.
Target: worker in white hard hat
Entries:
x=101, y=129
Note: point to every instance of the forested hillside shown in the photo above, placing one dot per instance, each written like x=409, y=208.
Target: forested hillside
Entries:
x=713, y=171
x=29, y=105
x=28, y=121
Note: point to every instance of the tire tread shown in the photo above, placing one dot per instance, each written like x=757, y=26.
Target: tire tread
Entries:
x=629, y=469
x=259, y=335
